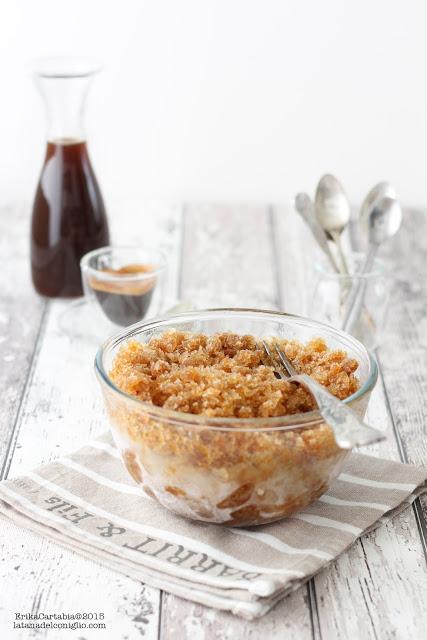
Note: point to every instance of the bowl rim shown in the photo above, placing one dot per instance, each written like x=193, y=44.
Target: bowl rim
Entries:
x=300, y=420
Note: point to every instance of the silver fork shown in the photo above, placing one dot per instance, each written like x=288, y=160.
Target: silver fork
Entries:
x=349, y=430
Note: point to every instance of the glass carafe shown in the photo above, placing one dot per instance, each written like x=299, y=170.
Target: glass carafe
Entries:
x=68, y=217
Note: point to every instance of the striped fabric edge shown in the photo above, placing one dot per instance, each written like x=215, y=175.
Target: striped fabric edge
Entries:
x=104, y=481
x=167, y=536
x=327, y=499
x=268, y=539
x=247, y=609
x=277, y=544
x=399, y=486
x=104, y=446
x=179, y=571
x=321, y=521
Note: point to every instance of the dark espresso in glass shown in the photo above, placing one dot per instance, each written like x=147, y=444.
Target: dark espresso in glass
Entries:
x=68, y=219
x=124, y=302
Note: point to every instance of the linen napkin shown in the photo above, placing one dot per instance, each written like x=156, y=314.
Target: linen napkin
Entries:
x=88, y=502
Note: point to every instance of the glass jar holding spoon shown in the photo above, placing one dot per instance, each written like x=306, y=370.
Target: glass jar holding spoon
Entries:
x=329, y=299
x=383, y=221
x=354, y=292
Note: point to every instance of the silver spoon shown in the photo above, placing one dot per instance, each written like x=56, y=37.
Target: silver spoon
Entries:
x=384, y=221
x=349, y=430
x=333, y=212
x=304, y=207
x=377, y=193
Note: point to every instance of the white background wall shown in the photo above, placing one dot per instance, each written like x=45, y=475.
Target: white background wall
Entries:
x=227, y=99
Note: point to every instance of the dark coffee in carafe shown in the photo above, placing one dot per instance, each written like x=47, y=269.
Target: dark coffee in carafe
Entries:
x=68, y=219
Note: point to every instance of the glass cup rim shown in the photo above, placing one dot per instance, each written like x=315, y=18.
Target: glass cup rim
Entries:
x=254, y=425
x=86, y=268
x=63, y=67
x=381, y=269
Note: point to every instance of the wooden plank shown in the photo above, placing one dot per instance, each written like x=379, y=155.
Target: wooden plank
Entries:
x=227, y=257
x=228, y=261
x=404, y=345
x=44, y=578
x=21, y=313
x=403, y=355
x=296, y=251
x=185, y=620
x=62, y=409
x=383, y=575
x=403, y=350
x=370, y=592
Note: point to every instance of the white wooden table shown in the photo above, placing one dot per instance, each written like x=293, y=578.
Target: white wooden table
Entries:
x=220, y=256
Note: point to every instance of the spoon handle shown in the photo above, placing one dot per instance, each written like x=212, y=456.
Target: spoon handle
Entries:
x=336, y=237
x=358, y=292
x=304, y=207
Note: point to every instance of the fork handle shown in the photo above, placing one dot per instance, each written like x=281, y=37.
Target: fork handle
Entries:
x=349, y=430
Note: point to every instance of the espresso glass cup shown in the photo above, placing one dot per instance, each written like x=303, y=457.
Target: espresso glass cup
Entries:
x=231, y=471
x=124, y=284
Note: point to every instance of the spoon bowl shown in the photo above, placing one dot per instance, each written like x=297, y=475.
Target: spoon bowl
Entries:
x=333, y=211
x=384, y=220
x=375, y=195
x=332, y=206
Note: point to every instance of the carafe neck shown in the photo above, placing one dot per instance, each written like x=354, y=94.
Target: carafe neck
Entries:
x=64, y=85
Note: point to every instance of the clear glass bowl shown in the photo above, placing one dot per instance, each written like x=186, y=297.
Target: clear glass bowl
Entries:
x=231, y=471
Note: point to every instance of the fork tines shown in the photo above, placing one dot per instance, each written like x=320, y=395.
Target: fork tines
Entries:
x=284, y=360
x=284, y=371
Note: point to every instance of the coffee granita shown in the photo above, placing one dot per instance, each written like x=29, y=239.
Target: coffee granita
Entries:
x=237, y=472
